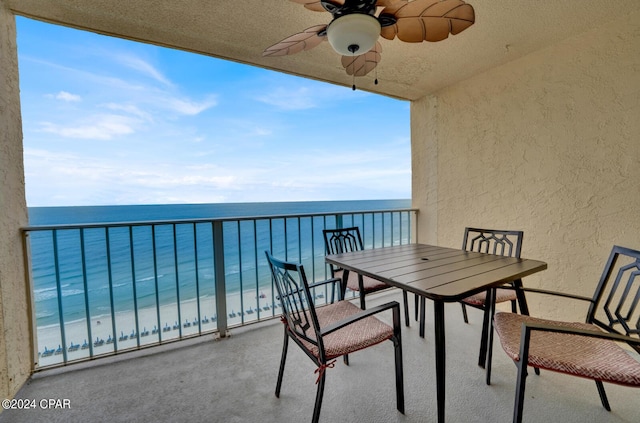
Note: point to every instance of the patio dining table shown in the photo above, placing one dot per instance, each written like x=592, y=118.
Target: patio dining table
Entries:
x=440, y=274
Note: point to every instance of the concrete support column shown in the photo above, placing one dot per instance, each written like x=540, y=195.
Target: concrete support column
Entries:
x=424, y=167
x=16, y=352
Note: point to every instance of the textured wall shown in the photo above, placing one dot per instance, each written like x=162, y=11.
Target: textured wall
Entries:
x=15, y=349
x=549, y=144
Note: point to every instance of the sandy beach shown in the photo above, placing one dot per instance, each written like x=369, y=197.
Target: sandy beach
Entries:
x=254, y=305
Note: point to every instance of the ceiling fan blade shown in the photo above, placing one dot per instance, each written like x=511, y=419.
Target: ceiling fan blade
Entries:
x=428, y=20
x=302, y=41
x=385, y=3
x=316, y=5
x=364, y=63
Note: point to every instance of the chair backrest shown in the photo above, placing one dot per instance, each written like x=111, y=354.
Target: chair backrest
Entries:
x=344, y=240
x=295, y=298
x=493, y=241
x=614, y=305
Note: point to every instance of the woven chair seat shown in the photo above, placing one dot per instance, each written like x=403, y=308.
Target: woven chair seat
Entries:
x=369, y=284
x=593, y=358
x=356, y=336
x=502, y=295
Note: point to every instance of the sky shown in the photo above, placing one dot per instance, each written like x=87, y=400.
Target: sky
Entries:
x=108, y=121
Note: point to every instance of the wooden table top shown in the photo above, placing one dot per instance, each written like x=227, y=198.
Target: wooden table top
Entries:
x=438, y=273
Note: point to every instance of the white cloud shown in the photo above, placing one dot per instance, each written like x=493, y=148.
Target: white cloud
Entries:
x=143, y=67
x=65, y=96
x=188, y=107
x=99, y=127
x=131, y=109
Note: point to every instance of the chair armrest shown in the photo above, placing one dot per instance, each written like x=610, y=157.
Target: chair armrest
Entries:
x=359, y=316
x=528, y=327
x=333, y=281
x=320, y=283
x=555, y=293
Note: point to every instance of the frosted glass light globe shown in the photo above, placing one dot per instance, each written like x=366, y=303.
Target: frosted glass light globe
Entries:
x=353, y=34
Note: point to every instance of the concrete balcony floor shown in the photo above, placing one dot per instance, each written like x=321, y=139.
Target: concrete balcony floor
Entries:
x=233, y=380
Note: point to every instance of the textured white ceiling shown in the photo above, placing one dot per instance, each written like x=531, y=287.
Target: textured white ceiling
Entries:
x=240, y=30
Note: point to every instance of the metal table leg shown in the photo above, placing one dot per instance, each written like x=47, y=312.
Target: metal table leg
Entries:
x=488, y=304
x=440, y=357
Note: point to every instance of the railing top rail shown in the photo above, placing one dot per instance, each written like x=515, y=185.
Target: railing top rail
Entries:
x=206, y=220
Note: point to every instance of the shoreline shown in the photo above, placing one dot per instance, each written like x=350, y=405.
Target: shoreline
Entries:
x=103, y=341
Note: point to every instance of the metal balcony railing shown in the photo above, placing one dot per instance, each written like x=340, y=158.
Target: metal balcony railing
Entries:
x=103, y=289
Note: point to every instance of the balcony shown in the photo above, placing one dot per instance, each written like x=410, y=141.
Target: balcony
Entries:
x=233, y=380
x=225, y=364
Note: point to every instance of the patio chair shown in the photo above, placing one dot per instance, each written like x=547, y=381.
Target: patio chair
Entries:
x=328, y=332
x=590, y=350
x=499, y=242
x=492, y=241
x=345, y=240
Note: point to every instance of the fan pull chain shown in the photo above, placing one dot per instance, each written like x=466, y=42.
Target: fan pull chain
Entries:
x=353, y=87
x=376, y=80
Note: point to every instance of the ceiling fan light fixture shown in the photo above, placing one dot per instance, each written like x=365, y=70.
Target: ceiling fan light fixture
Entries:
x=353, y=34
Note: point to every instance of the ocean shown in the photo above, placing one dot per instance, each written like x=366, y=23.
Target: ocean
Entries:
x=144, y=213
x=119, y=274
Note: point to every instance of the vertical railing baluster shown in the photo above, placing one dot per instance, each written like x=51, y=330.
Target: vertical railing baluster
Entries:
x=56, y=263
x=240, y=280
x=313, y=251
x=197, y=277
x=392, y=227
x=286, y=240
x=27, y=256
x=133, y=283
x=157, y=288
x=107, y=241
x=273, y=287
x=85, y=286
x=220, y=281
x=175, y=266
x=299, y=239
x=327, y=272
x=255, y=261
x=383, y=228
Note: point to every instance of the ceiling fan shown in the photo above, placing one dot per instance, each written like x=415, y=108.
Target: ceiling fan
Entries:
x=357, y=24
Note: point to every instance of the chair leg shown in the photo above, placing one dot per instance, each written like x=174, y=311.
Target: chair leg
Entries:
x=319, y=394
x=397, y=346
x=603, y=395
x=283, y=358
x=525, y=339
x=514, y=308
x=406, y=308
x=363, y=306
x=486, y=316
x=422, y=315
x=489, y=357
x=490, y=344
x=520, y=385
x=362, y=292
x=464, y=313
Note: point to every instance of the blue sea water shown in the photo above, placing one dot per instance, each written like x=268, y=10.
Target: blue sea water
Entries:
x=110, y=279
x=135, y=213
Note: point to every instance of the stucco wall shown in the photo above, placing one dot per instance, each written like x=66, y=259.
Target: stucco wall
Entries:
x=15, y=349
x=549, y=144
